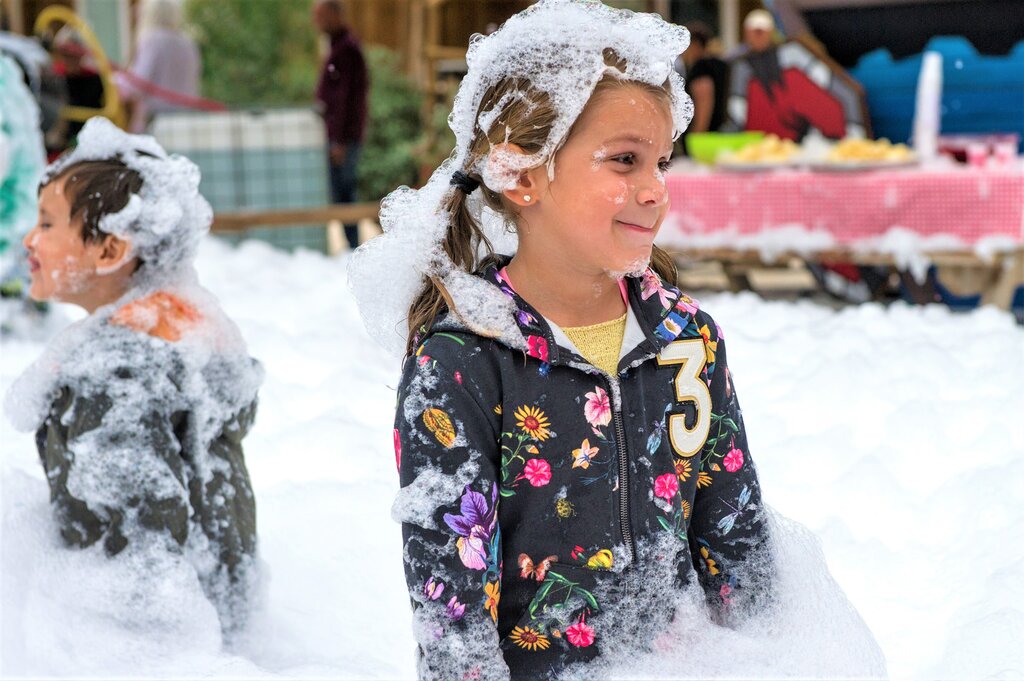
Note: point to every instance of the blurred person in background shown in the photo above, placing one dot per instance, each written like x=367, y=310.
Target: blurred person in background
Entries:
x=83, y=83
x=342, y=97
x=166, y=63
x=706, y=79
x=759, y=31
x=770, y=88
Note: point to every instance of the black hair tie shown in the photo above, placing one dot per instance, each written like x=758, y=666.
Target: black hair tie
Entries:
x=464, y=182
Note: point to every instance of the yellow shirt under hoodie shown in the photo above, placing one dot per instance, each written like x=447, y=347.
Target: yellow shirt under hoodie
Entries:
x=600, y=344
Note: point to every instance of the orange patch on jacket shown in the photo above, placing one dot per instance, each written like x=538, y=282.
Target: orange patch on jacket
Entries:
x=159, y=314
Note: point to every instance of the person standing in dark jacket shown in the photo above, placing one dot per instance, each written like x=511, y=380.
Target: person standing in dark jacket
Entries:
x=342, y=95
x=572, y=454
x=707, y=79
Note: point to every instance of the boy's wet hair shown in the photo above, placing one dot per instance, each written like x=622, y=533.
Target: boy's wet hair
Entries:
x=95, y=189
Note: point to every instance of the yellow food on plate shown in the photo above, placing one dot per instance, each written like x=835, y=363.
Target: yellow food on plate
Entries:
x=771, y=149
x=852, y=150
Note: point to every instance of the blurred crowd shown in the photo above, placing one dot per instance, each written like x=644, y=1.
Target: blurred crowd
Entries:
x=66, y=68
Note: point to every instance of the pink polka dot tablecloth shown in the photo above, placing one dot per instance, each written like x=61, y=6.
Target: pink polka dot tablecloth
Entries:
x=968, y=203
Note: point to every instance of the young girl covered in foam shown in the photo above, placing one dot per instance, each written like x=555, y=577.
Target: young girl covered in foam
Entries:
x=571, y=449
x=140, y=408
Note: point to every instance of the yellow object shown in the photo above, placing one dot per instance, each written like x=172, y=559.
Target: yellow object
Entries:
x=440, y=424
x=600, y=344
x=603, y=559
x=771, y=149
x=112, y=107
x=852, y=149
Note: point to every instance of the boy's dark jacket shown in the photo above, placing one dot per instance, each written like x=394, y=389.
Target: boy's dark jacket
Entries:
x=183, y=473
x=523, y=472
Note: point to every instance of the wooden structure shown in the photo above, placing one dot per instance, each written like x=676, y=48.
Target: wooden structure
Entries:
x=239, y=221
x=432, y=35
x=995, y=280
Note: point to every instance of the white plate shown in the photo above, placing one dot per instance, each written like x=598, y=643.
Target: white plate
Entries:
x=855, y=166
x=755, y=166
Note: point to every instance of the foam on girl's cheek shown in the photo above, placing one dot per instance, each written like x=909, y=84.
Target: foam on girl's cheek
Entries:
x=620, y=194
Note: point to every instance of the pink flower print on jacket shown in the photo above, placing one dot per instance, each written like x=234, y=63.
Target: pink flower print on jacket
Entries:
x=580, y=634
x=687, y=304
x=598, y=409
x=538, y=472
x=537, y=346
x=398, y=450
x=666, y=486
x=650, y=285
x=733, y=461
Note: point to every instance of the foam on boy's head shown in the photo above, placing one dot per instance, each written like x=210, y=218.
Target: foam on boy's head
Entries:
x=166, y=217
x=95, y=189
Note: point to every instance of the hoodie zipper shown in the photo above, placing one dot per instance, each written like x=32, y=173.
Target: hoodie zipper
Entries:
x=620, y=438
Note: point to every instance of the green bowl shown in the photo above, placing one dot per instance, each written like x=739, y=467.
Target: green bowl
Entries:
x=706, y=146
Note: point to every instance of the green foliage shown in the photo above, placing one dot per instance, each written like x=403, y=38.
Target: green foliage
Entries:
x=388, y=158
x=260, y=52
x=439, y=140
x=264, y=53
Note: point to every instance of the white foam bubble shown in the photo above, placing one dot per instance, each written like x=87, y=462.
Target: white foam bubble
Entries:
x=164, y=222
x=559, y=47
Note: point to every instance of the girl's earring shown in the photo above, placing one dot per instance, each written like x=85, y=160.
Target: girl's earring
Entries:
x=527, y=198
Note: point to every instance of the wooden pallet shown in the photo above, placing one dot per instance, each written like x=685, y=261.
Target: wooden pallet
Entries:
x=962, y=273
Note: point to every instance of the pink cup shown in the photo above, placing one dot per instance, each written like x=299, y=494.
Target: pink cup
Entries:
x=1005, y=152
x=977, y=154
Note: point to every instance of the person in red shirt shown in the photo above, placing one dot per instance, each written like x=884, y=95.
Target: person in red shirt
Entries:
x=773, y=89
x=342, y=97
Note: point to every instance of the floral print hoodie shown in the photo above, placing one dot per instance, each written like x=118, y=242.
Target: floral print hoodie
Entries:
x=532, y=482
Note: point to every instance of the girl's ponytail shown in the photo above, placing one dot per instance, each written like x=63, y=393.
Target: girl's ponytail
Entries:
x=525, y=121
x=462, y=243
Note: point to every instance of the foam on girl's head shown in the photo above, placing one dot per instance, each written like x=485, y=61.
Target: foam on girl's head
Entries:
x=560, y=47
x=165, y=220
x=557, y=50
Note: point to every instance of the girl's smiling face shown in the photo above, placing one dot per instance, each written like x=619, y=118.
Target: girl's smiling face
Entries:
x=61, y=264
x=608, y=198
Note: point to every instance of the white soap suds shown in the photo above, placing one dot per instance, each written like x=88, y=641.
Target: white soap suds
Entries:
x=558, y=47
x=165, y=220
x=141, y=404
x=802, y=626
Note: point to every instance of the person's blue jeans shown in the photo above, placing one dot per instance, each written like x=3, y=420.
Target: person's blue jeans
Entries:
x=343, y=186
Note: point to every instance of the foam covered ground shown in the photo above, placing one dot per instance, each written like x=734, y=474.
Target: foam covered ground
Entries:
x=894, y=434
